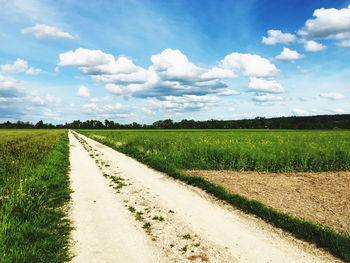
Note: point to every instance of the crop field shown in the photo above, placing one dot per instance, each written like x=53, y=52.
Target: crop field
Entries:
x=33, y=185
x=250, y=150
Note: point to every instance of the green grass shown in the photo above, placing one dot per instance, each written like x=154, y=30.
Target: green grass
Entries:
x=251, y=150
x=34, y=186
x=260, y=150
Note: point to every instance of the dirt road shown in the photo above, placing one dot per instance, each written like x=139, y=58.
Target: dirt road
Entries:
x=124, y=211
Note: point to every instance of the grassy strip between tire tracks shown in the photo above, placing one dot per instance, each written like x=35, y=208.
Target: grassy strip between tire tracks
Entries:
x=34, y=227
x=338, y=245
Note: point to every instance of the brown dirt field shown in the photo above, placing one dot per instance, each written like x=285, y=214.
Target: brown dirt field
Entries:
x=323, y=198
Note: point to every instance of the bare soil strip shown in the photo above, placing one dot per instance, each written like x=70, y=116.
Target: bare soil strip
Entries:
x=151, y=214
x=322, y=198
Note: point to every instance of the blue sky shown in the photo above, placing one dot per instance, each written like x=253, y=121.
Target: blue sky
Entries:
x=147, y=60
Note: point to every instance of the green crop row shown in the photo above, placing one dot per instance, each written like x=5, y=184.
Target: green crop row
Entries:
x=251, y=150
x=33, y=188
x=170, y=151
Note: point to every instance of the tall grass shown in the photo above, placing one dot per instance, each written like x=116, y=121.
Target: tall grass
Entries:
x=33, y=188
x=252, y=150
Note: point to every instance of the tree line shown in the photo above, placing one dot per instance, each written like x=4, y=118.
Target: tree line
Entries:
x=340, y=121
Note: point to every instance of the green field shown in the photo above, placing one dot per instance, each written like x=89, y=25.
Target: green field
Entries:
x=33, y=186
x=251, y=150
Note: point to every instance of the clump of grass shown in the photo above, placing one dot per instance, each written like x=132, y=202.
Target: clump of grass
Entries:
x=171, y=211
x=197, y=244
x=147, y=227
x=132, y=209
x=138, y=216
x=159, y=218
x=184, y=248
x=118, y=181
x=186, y=236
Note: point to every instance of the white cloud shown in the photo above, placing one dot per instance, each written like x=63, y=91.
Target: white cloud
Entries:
x=327, y=23
x=264, y=85
x=231, y=109
x=8, y=84
x=338, y=110
x=108, y=111
x=219, y=73
x=276, y=36
x=85, y=58
x=18, y=66
x=303, y=70
x=57, y=69
x=83, y=91
x=104, y=99
x=250, y=65
x=227, y=92
x=267, y=98
x=299, y=112
x=313, y=46
x=332, y=96
x=171, y=73
x=184, y=103
x=344, y=43
x=38, y=100
x=289, y=55
x=34, y=71
x=44, y=100
x=42, y=31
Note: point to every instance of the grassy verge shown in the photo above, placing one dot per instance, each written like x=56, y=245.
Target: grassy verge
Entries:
x=34, y=228
x=337, y=244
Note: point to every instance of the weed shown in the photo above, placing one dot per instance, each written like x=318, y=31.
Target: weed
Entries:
x=138, y=216
x=132, y=209
x=186, y=236
x=184, y=249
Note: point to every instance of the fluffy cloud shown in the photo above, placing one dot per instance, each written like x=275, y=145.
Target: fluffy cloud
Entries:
x=44, y=100
x=344, y=43
x=267, y=98
x=313, y=46
x=332, y=96
x=109, y=110
x=289, y=55
x=276, y=36
x=261, y=85
x=34, y=71
x=42, y=31
x=327, y=23
x=173, y=104
x=250, y=65
x=84, y=58
x=227, y=92
x=10, y=87
x=171, y=73
x=83, y=91
x=299, y=112
x=18, y=66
